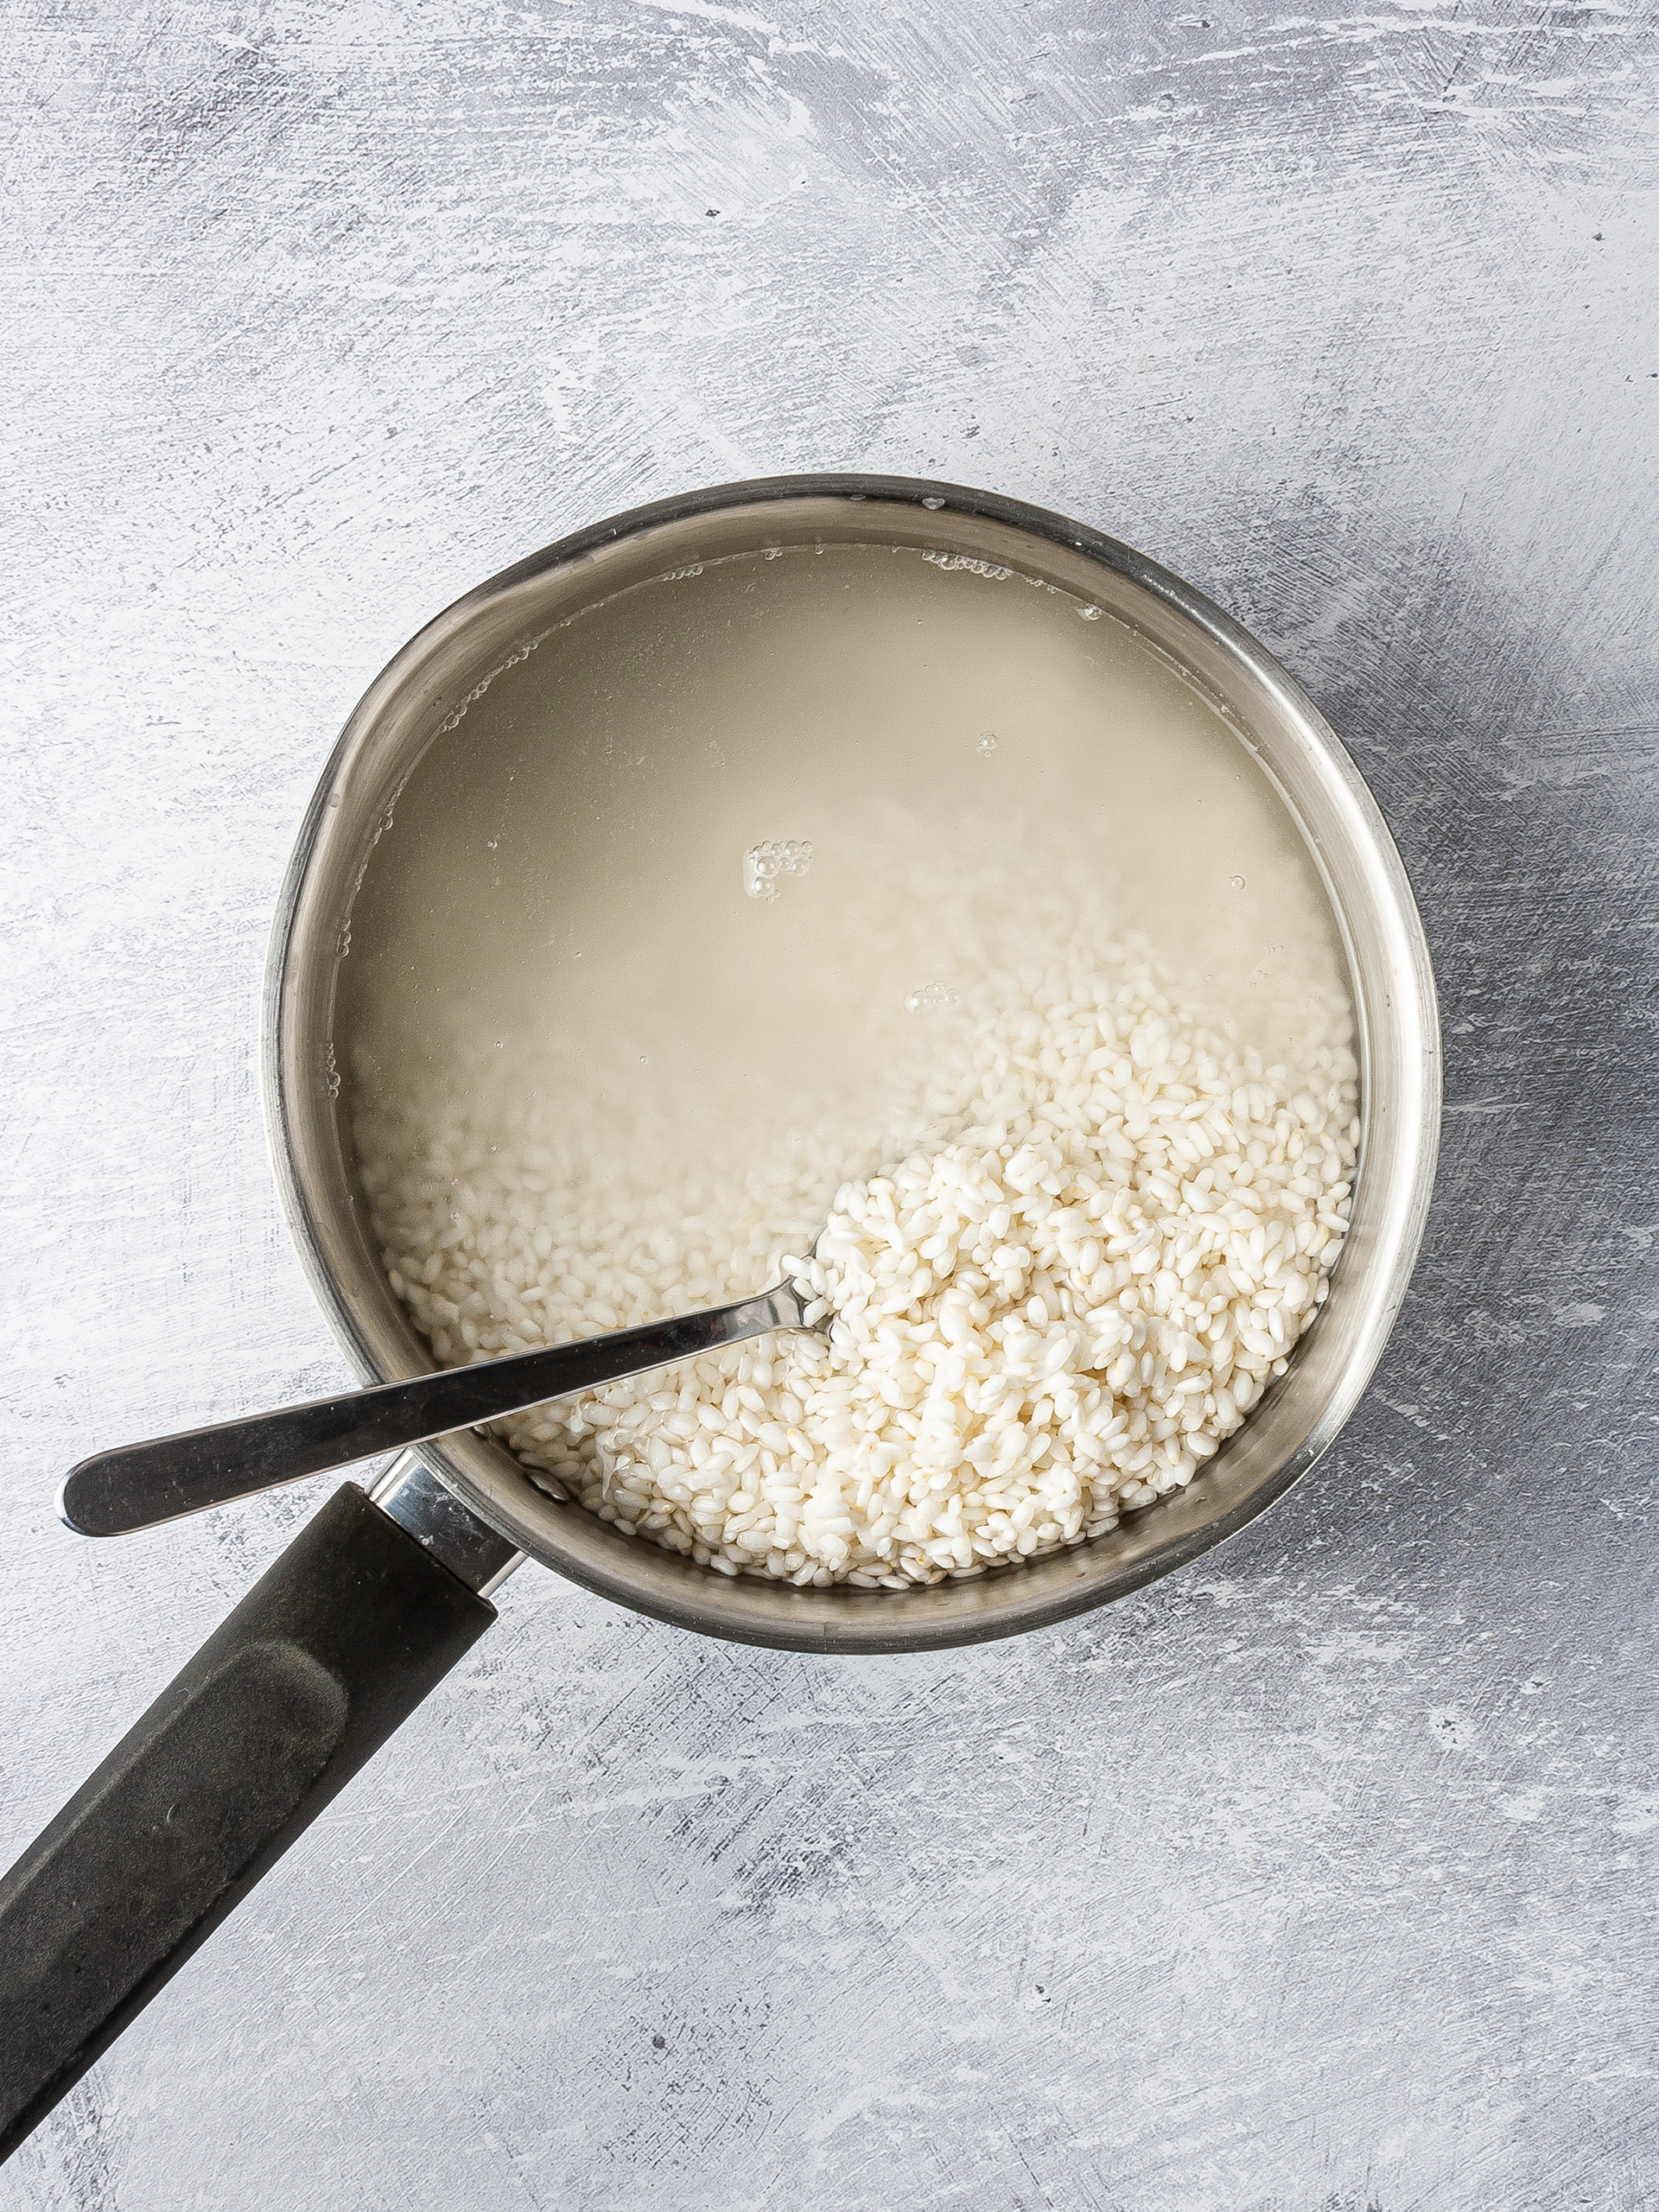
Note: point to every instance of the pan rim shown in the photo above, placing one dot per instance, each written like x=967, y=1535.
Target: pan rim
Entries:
x=1005, y=1601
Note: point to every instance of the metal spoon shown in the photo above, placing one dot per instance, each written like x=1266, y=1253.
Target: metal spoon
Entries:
x=139, y=1484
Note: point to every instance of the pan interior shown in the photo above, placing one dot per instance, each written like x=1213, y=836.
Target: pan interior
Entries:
x=553, y=930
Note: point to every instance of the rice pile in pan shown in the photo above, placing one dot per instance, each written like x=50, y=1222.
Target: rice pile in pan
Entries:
x=1094, y=1244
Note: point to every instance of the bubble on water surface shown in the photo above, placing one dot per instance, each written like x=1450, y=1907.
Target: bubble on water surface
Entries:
x=1235, y=883
x=932, y=998
x=1090, y=614
x=764, y=865
x=934, y=503
x=985, y=744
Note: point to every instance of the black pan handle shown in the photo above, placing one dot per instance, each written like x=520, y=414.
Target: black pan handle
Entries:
x=328, y=1653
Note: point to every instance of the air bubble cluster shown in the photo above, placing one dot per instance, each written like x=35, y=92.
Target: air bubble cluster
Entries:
x=932, y=998
x=985, y=744
x=765, y=865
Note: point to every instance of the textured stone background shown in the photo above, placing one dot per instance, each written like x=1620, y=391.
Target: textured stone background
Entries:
x=1318, y=1878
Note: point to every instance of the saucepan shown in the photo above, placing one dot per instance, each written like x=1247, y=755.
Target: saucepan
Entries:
x=388, y=1586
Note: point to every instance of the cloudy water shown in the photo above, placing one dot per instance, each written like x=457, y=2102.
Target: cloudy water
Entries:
x=723, y=865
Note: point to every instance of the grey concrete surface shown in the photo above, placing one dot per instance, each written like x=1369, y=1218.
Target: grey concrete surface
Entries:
x=1319, y=1878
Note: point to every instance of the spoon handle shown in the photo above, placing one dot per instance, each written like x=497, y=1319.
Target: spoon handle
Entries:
x=137, y=1485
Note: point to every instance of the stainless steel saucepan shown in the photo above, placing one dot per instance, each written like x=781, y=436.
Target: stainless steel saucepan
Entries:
x=385, y=1589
